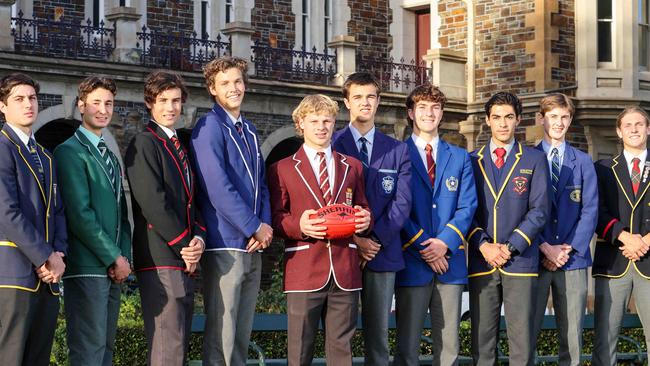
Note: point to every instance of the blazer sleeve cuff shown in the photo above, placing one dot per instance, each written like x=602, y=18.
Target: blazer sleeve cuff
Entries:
x=453, y=237
x=520, y=240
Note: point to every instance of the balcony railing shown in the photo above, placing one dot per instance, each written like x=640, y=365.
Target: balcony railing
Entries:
x=179, y=52
x=288, y=64
x=61, y=39
x=396, y=76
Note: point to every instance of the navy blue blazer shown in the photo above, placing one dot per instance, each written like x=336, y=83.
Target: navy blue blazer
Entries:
x=444, y=211
x=511, y=209
x=388, y=192
x=232, y=195
x=32, y=223
x=574, y=212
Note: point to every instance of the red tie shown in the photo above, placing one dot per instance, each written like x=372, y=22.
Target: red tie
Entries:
x=431, y=164
x=636, y=175
x=500, y=153
x=323, y=179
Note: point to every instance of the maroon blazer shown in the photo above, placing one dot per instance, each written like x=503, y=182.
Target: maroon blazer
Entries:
x=308, y=262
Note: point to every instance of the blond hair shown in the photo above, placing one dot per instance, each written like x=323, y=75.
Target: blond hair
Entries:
x=313, y=104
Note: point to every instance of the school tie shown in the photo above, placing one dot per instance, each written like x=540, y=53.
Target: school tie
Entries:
x=636, y=175
x=37, y=160
x=500, y=153
x=181, y=154
x=324, y=179
x=431, y=164
x=106, y=155
x=363, y=153
x=240, y=130
x=555, y=169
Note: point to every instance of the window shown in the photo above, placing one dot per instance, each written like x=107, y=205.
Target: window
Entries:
x=306, y=39
x=605, y=29
x=204, y=19
x=327, y=18
x=94, y=10
x=229, y=11
x=644, y=34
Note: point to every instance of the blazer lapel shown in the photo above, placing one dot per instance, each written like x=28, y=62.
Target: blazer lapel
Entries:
x=486, y=165
x=349, y=146
x=643, y=186
x=168, y=145
x=417, y=162
x=376, y=156
x=341, y=173
x=442, y=158
x=26, y=157
x=251, y=140
x=622, y=175
x=101, y=163
x=46, y=160
x=307, y=177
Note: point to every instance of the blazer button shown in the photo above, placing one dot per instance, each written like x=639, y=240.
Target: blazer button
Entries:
x=557, y=237
x=555, y=221
x=434, y=206
x=189, y=205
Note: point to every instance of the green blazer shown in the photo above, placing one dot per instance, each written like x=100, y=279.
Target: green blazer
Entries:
x=98, y=226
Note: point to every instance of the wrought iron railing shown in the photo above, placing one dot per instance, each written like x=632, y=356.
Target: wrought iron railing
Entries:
x=179, y=52
x=288, y=64
x=61, y=39
x=396, y=76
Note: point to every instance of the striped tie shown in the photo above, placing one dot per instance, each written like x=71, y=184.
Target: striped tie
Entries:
x=240, y=131
x=37, y=160
x=555, y=169
x=636, y=175
x=363, y=153
x=106, y=155
x=500, y=154
x=181, y=154
x=324, y=179
x=431, y=165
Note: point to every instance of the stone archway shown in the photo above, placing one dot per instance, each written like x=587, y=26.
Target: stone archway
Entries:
x=277, y=137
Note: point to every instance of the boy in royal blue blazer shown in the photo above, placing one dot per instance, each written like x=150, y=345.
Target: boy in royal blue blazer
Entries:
x=387, y=172
x=433, y=236
x=234, y=201
x=564, y=242
x=513, y=206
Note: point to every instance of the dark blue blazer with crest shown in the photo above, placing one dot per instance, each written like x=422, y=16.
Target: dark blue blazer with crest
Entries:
x=388, y=192
x=32, y=223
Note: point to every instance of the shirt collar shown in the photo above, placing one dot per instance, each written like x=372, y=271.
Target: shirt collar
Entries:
x=94, y=139
x=628, y=157
x=232, y=118
x=548, y=148
x=21, y=135
x=311, y=152
x=369, y=136
x=507, y=147
x=422, y=143
x=168, y=131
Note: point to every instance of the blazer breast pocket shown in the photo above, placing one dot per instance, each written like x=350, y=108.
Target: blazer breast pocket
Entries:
x=449, y=186
x=386, y=183
x=518, y=187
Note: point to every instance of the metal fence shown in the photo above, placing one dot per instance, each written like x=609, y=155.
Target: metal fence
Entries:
x=288, y=64
x=394, y=76
x=61, y=39
x=173, y=50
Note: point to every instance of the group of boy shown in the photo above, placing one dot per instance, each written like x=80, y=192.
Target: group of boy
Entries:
x=512, y=222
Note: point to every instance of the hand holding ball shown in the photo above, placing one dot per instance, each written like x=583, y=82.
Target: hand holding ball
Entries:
x=339, y=220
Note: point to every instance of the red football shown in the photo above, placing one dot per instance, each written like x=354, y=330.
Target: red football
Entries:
x=339, y=220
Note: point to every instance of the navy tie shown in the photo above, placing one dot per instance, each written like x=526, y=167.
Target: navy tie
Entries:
x=363, y=153
x=37, y=161
x=240, y=131
x=555, y=169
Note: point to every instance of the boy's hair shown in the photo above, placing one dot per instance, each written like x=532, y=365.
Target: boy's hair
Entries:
x=316, y=104
x=504, y=98
x=556, y=100
x=92, y=83
x=424, y=92
x=14, y=79
x=359, y=78
x=222, y=64
x=629, y=110
x=159, y=81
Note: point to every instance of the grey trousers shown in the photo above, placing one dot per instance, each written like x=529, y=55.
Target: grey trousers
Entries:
x=443, y=301
x=167, y=297
x=92, y=306
x=337, y=309
x=610, y=304
x=376, y=300
x=27, y=325
x=569, y=289
x=518, y=296
x=231, y=282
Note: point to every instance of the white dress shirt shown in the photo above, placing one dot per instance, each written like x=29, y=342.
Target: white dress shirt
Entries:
x=314, y=161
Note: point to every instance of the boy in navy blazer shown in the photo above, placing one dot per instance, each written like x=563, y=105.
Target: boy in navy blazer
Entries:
x=564, y=242
x=387, y=172
x=434, y=235
x=234, y=202
x=32, y=231
x=513, y=206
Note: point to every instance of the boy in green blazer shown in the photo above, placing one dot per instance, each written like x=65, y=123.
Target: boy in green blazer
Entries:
x=99, y=233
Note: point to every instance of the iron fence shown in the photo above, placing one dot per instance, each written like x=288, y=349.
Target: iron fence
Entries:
x=396, y=76
x=288, y=64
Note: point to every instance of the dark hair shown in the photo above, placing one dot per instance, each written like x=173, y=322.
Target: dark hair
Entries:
x=222, y=64
x=91, y=83
x=14, y=79
x=159, y=81
x=424, y=92
x=360, y=78
x=629, y=110
x=504, y=98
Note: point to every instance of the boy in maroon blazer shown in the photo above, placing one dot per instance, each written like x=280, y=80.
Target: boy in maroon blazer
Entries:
x=322, y=277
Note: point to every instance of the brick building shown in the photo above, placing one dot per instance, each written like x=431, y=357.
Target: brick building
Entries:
x=596, y=51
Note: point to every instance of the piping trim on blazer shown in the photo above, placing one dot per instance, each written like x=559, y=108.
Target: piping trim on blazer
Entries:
x=454, y=228
x=85, y=276
x=615, y=276
x=55, y=293
x=481, y=273
x=353, y=246
x=160, y=267
x=305, y=180
x=461, y=247
x=345, y=175
x=8, y=244
x=518, y=274
x=413, y=239
x=295, y=249
x=200, y=226
x=639, y=271
x=38, y=285
x=178, y=238
x=609, y=226
x=257, y=165
x=524, y=236
x=248, y=169
x=623, y=189
x=469, y=237
x=101, y=164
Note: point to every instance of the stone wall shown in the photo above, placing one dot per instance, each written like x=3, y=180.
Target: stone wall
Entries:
x=273, y=20
x=453, y=25
x=166, y=15
x=564, y=47
x=369, y=24
x=73, y=10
